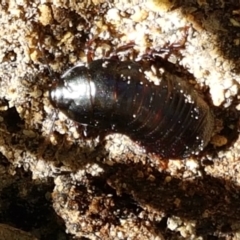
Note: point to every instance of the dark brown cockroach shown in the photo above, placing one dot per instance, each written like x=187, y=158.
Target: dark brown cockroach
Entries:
x=170, y=119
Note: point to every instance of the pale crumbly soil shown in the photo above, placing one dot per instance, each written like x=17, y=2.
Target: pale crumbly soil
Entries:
x=111, y=189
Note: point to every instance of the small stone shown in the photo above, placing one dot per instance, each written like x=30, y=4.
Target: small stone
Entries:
x=219, y=140
x=45, y=15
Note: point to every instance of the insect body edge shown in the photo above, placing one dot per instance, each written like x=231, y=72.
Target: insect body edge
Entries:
x=169, y=119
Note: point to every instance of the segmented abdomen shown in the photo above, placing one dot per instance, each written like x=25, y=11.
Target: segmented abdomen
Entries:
x=169, y=119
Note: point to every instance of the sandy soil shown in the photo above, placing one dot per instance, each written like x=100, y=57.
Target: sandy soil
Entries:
x=55, y=181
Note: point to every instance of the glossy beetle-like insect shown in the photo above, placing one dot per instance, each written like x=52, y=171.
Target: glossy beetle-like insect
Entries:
x=170, y=119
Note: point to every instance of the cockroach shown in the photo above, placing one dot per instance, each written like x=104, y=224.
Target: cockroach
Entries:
x=170, y=119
